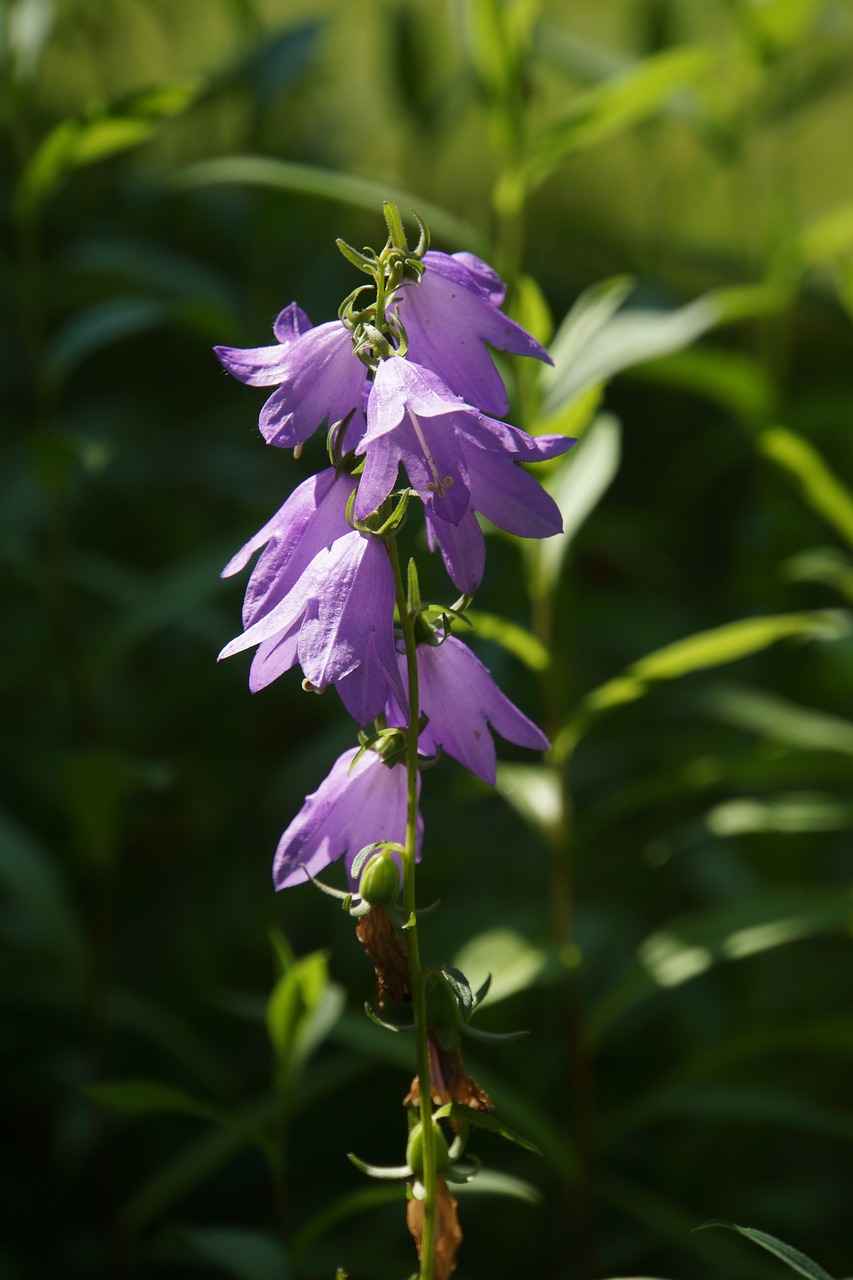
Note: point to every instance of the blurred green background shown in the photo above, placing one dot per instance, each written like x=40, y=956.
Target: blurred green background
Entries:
x=666, y=905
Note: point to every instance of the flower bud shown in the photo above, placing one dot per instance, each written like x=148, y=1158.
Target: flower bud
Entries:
x=415, y=1149
x=380, y=880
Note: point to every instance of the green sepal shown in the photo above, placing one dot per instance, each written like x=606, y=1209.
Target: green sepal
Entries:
x=394, y=223
x=495, y=1037
x=360, y=260
x=482, y=1120
x=379, y=1170
x=413, y=588
x=341, y=894
x=464, y=1172
x=384, y=1023
x=482, y=992
x=423, y=238
x=362, y=856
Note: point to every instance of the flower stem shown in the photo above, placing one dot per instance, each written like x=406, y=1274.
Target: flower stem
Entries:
x=412, y=946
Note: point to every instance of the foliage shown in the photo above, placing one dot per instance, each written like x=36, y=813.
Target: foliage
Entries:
x=664, y=904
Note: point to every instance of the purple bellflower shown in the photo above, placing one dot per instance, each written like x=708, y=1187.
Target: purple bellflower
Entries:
x=449, y=316
x=361, y=802
x=322, y=595
x=318, y=377
x=460, y=699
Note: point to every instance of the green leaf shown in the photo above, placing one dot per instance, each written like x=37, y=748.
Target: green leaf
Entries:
x=606, y=344
x=785, y=1252
x=729, y=378
x=577, y=484
x=492, y=1182
x=776, y=719
x=99, y=326
x=728, y=643
x=149, y=1097
x=353, y=1205
x=483, y=1120
x=331, y=184
x=534, y=791
x=303, y=1008
x=245, y=1255
x=611, y=108
x=824, y=493
x=515, y=963
x=692, y=945
x=827, y=565
x=98, y=136
x=828, y=236
x=40, y=895
x=516, y=639
x=382, y=1171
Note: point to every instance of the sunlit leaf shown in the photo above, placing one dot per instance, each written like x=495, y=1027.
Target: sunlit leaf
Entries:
x=331, y=184
x=615, y=106
x=516, y=639
x=775, y=718
x=99, y=135
x=820, y=488
x=787, y=1253
x=304, y=1006
x=691, y=946
x=533, y=790
x=515, y=963
x=827, y=565
x=728, y=643
x=828, y=236
x=245, y=1255
x=604, y=343
x=576, y=484
x=492, y=1182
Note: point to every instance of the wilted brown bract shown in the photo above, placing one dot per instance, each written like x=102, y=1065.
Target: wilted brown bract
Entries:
x=449, y=1082
x=377, y=935
x=448, y=1233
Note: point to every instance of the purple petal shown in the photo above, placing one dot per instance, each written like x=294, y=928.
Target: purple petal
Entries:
x=463, y=549
x=256, y=366
x=510, y=497
x=290, y=324
x=273, y=659
x=321, y=381
x=461, y=698
x=360, y=802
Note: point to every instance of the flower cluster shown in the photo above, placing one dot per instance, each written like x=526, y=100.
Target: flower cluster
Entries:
x=405, y=382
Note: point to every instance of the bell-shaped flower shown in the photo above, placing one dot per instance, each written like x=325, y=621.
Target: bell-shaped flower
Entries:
x=450, y=314
x=461, y=700
x=361, y=802
x=319, y=379
x=321, y=594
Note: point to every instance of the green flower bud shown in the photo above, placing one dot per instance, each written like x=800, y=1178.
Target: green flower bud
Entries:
x=380, y=880
x=415, y=1150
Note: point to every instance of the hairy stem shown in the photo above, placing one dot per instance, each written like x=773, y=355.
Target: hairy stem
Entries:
x=409, y=906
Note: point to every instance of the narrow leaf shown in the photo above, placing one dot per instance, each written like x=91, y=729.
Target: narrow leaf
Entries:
x=824, y=493
x=483, y=1120
x=787, y=1253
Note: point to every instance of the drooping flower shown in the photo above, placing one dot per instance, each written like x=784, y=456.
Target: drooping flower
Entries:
x=361, y=802
x=318, y=376
x=450, y=315
x=458, y=460
x=322, y=595
x=461, y=701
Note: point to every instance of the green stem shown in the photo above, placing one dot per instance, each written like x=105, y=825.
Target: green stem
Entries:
x=412, y=946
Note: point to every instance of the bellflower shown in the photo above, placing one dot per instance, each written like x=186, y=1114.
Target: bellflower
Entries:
x=319, y=379
x=322, y=595
x=361, y=802
x=449, y=316
x=461, y=701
